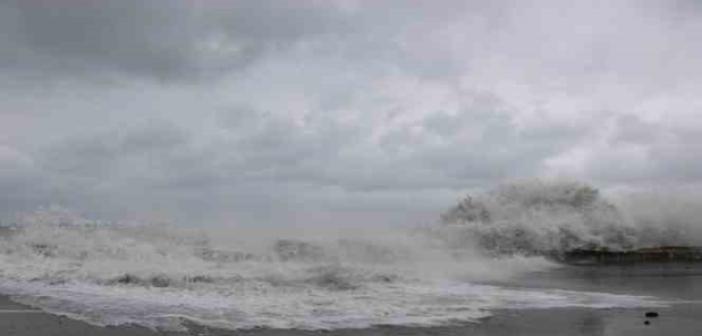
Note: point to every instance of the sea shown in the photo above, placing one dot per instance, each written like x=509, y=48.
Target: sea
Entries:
x=459, y=270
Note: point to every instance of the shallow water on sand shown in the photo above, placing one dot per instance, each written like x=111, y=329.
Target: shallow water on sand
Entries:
x=666, y=281
x=678, y=285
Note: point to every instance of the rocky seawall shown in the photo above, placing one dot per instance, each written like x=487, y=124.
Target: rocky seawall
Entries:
x=662, y=254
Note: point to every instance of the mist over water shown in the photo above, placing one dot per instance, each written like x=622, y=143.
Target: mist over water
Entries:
x=294, y=118
x=159, y=275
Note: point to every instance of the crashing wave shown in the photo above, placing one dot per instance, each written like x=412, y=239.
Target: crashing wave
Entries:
x=158, y=276
x=547, y=217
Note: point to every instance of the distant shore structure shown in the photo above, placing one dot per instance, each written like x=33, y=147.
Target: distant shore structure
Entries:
x=643, y=255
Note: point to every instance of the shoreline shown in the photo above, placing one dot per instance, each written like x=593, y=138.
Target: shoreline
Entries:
x=678, y=286
x=678, y=319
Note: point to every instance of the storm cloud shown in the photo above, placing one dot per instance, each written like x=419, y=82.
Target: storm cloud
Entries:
x=337, y=111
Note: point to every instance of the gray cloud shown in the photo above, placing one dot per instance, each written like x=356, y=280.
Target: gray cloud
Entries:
x=275, y=111
x=172, y=40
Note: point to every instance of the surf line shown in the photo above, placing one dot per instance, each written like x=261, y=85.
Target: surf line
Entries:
x=19, y=311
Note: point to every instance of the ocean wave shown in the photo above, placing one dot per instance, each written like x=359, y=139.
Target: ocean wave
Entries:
x=545, y=217
x=159, y=276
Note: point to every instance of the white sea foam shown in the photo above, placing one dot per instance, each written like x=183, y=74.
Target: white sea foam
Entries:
x=157, y=276
x=534, y=217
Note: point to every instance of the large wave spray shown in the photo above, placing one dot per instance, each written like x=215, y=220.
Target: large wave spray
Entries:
x=539, y=217
x=158, y=276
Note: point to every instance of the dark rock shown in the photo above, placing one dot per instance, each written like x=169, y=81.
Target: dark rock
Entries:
x=651, y=314
x=646, y=322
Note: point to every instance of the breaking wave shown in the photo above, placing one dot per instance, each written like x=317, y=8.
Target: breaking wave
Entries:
x=539, y=217
x=159, y=276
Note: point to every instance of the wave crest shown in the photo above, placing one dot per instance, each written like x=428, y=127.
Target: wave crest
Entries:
x=545, y=217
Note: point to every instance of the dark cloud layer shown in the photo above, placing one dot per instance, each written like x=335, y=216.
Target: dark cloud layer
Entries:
x=172, y=40
x=337, y=111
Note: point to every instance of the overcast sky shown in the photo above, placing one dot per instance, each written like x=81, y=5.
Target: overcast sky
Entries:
x=341, y=112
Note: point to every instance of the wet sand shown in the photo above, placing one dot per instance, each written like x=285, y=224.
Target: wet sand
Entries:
x=681, y=284
x=680, y=319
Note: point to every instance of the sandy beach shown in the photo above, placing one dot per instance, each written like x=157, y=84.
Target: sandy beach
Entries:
x=681, y=319
x=678, y=285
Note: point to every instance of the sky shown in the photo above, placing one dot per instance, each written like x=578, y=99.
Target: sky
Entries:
x=338, y=112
